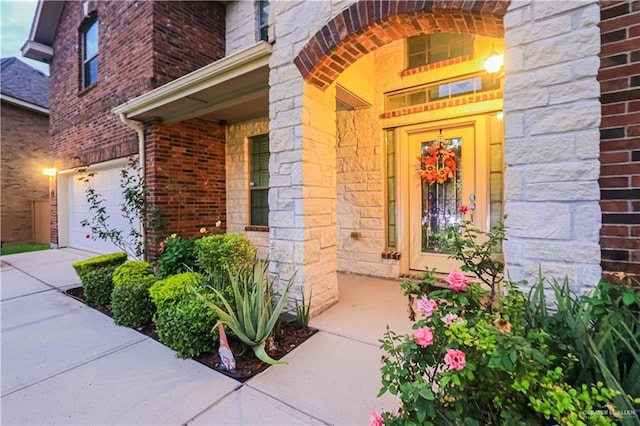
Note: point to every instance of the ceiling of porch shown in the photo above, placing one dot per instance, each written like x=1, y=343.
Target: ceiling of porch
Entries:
x=232, y=89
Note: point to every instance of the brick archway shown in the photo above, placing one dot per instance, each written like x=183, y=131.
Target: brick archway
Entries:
x=367, y=25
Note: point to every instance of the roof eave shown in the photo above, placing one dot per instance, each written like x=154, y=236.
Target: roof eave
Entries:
x=24, y=104
x=227, y=67
x=39, y=45
x=37, y=51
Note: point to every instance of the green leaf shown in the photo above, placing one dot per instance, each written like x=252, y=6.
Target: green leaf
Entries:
x=427, y=394
x=628, y=299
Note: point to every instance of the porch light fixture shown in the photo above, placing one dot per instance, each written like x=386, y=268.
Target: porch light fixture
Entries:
x=49, y=171
x=494, y=61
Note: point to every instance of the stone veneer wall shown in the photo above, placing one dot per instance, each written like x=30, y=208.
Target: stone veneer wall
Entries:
x=237, y=172
x=241, y=25
x=552, y=114
x=360, y=195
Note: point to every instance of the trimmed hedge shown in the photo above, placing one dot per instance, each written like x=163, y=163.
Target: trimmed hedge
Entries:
x=97, y=286
x=112, y=259
x=96, y=275
x=187, y=327
x=183, y=321
x=172, y=289
x=130, y=301
x=216, y=252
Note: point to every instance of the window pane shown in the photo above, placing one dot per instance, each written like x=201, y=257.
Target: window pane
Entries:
x=417, y=98
x=264, y=13
x=259, y=192
x=427, y=49
x=416, y=44
x=441, y=194
x=91, y=72
x=91, y=41
x=260, y=207
x=391, y=188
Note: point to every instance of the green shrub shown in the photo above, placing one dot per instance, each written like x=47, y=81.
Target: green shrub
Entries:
x=187, y=327
x=106, y=260
x=130, y=301
x=177, y=255
x=171, y=290
x=216, y=252
x=97, y=286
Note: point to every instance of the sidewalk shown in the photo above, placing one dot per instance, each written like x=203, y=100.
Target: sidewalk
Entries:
x=65, y=363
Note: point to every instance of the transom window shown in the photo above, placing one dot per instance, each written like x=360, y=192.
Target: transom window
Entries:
x=259, y=183
x=431, y=48
x=435, y=92
x=263, y=20
x=89, y=34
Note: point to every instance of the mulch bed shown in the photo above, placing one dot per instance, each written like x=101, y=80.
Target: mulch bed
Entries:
x=287, y=337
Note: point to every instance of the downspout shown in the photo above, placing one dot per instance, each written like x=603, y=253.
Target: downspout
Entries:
x=139, y=128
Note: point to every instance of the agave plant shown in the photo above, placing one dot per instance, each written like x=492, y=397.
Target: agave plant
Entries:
x=254, y=316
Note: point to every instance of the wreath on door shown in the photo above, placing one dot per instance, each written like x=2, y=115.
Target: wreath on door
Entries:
x=439, y=163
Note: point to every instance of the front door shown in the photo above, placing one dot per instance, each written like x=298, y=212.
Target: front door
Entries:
x=443, y=176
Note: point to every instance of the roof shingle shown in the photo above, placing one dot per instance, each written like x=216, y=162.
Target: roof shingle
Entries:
x=23, y=82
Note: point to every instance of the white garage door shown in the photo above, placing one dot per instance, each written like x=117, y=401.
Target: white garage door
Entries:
x=106, y=182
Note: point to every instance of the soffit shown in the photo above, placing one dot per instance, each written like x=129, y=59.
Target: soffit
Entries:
x=231, y=89
x=39, y=46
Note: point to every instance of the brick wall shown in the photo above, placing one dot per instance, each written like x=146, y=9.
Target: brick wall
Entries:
x=620, y=136
x=186, y=176
x=142, y=45
x=25, y=152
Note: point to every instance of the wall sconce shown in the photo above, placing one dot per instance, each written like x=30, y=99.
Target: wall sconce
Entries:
x=494, y=61
x=49, y=171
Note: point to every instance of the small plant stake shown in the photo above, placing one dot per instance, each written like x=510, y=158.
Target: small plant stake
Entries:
x=227, y=361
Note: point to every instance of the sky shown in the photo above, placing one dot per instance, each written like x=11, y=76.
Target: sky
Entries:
x=16, y=17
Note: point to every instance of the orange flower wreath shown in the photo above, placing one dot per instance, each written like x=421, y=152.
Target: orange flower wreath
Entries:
x=439, y=164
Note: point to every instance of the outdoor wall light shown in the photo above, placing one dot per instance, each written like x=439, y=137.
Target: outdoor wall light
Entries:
x=49, y=171
x=494, y=61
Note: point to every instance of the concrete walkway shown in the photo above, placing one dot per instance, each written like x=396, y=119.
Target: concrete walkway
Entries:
x=65, y=363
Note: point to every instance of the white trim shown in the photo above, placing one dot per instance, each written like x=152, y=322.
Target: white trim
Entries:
x=218, y=72
x=117, y=162
x=24, y=104
x=37, y=51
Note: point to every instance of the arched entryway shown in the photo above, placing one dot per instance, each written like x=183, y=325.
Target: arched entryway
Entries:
x=316, y=190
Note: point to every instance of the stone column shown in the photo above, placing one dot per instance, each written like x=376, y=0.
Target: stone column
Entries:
x=552, y=115
x=302, y=168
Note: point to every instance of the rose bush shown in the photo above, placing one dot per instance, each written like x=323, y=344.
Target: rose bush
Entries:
x=473, y=357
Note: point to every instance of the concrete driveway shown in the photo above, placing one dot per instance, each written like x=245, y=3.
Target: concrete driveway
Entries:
x=65, y=363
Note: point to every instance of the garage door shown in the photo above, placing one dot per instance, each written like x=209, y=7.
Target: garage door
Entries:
x=106, y=182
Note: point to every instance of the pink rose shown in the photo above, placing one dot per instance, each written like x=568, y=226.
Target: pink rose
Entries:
x=423, y=336
x=375, y=419
x=450, y=318
x=464, y=209
x=457, y=280
x=455, y=359
x=427, y=306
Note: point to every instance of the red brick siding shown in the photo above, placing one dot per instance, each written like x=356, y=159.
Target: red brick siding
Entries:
x=187, y=36
x=620, y=136
x=25, y=152
x=186, y=176
x=369, y=24
x=142, y=45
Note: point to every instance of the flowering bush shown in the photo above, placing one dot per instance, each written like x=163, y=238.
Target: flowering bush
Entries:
x=473, y=359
